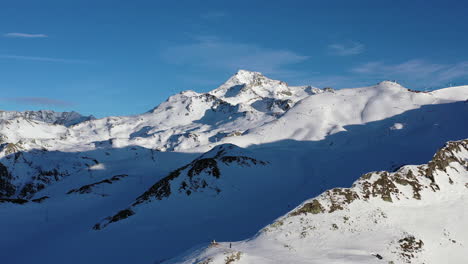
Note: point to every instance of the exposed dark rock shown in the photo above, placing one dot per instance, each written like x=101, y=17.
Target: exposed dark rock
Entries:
x=161, y=189
x=384, y=184
x=208, y=165
x=340, y=196
x=192, y=181
x=122, y=215
x=7, y=189
x=10, y=148
x=313, y=207
x=411, y=180
x=15, y=200
x=444, y=157
x=409, y=245
x=384, y=187
x=30, y=189
x=242, y=160
x=232, y=257
x=40, y=200
x=89, y=187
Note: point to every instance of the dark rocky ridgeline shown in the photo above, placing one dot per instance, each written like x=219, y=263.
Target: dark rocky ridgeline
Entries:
x=207, y=164
x=13, y=200
x=386, y=185
x=23, y=201
x=89, y=187
x=193, y=177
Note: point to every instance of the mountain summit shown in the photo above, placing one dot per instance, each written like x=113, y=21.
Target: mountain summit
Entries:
x=249, y=87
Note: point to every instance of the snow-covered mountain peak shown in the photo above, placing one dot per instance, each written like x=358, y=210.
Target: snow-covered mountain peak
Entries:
x=262, y=93
x=390, y=86
x=247, y=77
x=245, y=82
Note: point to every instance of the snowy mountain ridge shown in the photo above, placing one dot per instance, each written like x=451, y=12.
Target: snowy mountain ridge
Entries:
x=220, y=116
x=47, y=116
x=222, y=165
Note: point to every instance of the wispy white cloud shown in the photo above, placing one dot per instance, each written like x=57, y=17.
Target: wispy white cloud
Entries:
x=213, y=15
x=43, y=59
x=346, y=49
x=43, y=101
x=415, y=71
x=24, y=35
x=214, y=53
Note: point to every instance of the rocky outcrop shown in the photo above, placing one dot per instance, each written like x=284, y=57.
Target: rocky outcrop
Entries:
x=88, y=188
x=7, y=189
x=199, y=175
x=388, y=186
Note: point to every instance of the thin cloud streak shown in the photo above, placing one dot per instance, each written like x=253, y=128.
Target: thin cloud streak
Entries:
x=415, y=70
x=43, y=59
x=213, y=15
x=213, y=53
x=24, y=35
x=346, y=49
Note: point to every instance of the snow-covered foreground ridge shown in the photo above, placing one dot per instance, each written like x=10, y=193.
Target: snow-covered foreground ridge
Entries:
x=417, y=214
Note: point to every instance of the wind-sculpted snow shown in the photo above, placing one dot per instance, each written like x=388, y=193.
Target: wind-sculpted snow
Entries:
x=413, y=215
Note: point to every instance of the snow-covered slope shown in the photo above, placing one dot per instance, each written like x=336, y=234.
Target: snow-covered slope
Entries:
x=201, y=166
x=417, y=214
x=315, y=117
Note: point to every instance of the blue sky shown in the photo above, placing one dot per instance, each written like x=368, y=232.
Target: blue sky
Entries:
x=125, y=57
